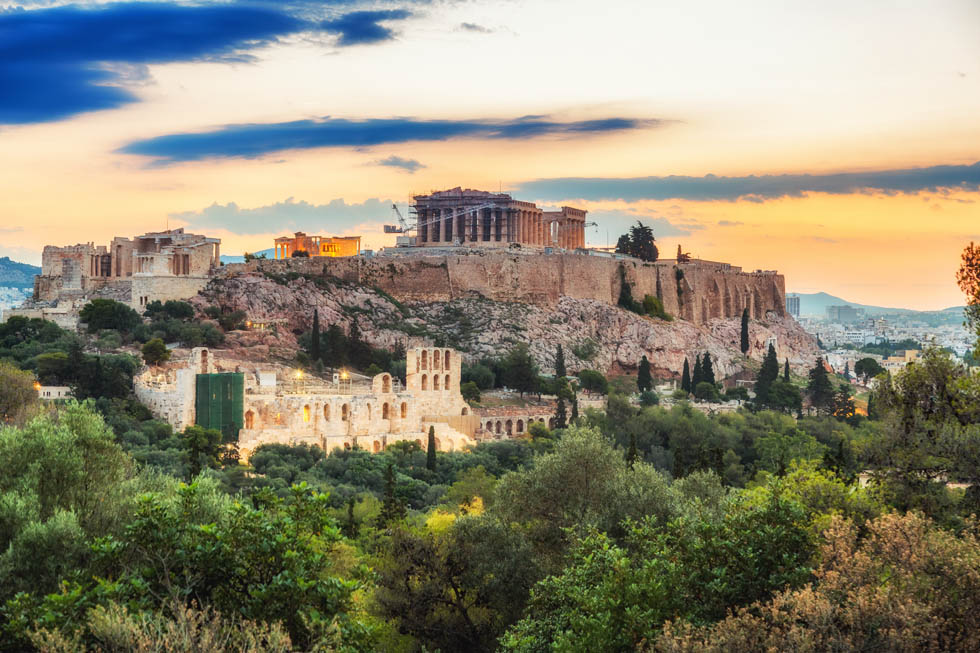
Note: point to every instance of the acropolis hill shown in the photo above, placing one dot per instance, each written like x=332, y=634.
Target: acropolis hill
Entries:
x=695, y=291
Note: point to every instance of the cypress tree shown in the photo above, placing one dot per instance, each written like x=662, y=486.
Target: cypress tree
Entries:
x=574, y=417
x=707, y=371
x=819, y=389
x=391, y=508
x=631, y=454
x=768, y=373
x=643, y=380
x=696, y=375
x=745, y=331
x=786, y=371
x=686, y=377
x=350, y=526
x=315, y=339
x=430, y=450
x=560, y=370
x=561, y=414
x=847, y=370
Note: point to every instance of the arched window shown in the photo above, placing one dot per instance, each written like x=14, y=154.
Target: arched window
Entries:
x=438, y=444
x=520, y=426
x=249, y=420
x=386, y=383
x=377, y=447
x=384, y=410
x=425, y=359
x=344, y=412
x=435, y=381
x=499, y=426
x=326, y=412
x=551, y=422
x=436, y=360
x=204, y=361
x=404, y=410
x=425, y=382
x=306, y=413
x=369, y=412
x=445, y=386
x=466, y=411
x=419, y=442
x=510, y=427
x=446, y=366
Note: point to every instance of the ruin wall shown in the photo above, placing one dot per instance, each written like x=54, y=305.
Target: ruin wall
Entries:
x=695, y=291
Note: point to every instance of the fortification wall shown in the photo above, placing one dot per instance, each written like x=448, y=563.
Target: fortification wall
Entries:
x=695, y=291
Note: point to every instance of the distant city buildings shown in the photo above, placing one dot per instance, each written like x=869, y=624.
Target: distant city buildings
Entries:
x=844, y=314
x=317, y=245
x=793, y=305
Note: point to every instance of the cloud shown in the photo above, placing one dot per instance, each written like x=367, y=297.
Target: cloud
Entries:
x=253, y=140
x=754, y=188
x=337, y=216
x=409, y=165
x=57, y=62
x=730, y=223
x=473, y=27
x=361, y=27
x=619, y=221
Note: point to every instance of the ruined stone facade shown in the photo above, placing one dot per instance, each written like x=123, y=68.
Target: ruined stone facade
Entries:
x=475, y=218
x=696, y=291
x=281, y=407
x=317, y=245
x=155, y=266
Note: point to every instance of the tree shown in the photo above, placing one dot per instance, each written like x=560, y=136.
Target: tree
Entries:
x=574, y=416
x=696, y=375
x=16, y=391
x=470, y=392
x=867, y=368
x=784, y=396
x=707, y=371
x=593, y=381
x=744, y=339
x=786, y=371
x=300, y=253
x=520, y=372
x=819, y=389
x=392, y=509
x=561, y=415
x=430, y=450
x=101, y=314
x=155, y=352
x=705, y=391
x=847, y=370
x=768, y=373
x=643, y=379
x=315, y=336
x=968, y=278
x=560, y=362
x=686, y=377
x=202, y=448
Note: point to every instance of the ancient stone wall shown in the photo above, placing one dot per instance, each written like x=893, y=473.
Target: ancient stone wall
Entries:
x=695, y=291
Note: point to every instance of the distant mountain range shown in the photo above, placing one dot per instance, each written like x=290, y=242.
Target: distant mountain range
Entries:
x=269, y=253
x=816, y=304
x=17, y=275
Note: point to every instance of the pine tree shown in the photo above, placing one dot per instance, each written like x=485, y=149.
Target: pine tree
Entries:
x=391, y=508
x=686, y=377
x=819, y=388
x=561, y=415
x=631, y=454
x=707, y=371
x=643, y=380
x=847, y=370
x=315, y=337
x=768, y=373
x=430, y=450
x=560, y=370
x=745, y=331
x=786, y=371
x=696, y=375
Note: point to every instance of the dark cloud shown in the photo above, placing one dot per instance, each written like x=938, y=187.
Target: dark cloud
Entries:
x=730, y=223
x=288, y=216
x=473, y=27
x=252, y=140
x=410, y=165
x=57, y=62
x=360, y=27
x=755, y=188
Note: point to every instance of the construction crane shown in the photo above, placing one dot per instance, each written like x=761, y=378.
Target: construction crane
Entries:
x=403, y=227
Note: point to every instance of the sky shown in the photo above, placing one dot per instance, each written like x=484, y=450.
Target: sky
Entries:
x=835, y=142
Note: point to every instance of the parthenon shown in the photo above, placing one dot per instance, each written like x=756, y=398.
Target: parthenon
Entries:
x=476, y=218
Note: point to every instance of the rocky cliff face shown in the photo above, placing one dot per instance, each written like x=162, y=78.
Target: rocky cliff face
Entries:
x=593, y=333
